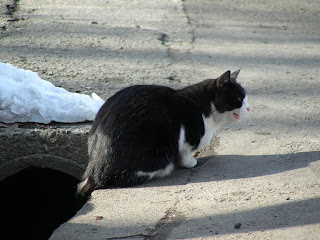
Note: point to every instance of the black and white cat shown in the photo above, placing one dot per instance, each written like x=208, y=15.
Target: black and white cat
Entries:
x=144, y=131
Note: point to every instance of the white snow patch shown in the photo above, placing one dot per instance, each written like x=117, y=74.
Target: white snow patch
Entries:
x=25, y=97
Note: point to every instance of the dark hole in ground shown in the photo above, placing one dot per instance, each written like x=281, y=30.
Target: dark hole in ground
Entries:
x=35, y=201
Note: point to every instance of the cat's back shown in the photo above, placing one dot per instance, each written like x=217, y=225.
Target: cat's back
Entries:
x=141, y=95
x=136, y=104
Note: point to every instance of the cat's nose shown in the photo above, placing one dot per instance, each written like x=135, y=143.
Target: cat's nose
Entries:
x=248, y=108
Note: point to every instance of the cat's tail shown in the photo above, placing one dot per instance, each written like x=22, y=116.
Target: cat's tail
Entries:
x=84, y=189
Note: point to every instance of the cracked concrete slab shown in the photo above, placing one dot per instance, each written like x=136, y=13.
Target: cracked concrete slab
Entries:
x=104, y=45
x=99, y=47
x=258, y=179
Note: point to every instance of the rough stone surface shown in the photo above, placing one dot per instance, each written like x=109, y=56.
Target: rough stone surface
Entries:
x=61, y=147
x=262, y=173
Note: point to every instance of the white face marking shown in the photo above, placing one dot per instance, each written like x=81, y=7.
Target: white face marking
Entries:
x=244, y=108
x=236, y=114
x=245, y=103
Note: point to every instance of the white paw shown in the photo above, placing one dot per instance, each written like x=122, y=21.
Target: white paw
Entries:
x=189, y=162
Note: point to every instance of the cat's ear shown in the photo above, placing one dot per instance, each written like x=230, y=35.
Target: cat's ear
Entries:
x=223, y=79
x=234, y=75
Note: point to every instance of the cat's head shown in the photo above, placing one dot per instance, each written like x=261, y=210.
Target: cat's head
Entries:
x=230, y=98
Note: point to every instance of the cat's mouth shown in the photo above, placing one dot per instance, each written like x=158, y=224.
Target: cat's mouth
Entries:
x=236, y=116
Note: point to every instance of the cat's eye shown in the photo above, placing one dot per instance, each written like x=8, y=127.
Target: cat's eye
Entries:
x=240, y=99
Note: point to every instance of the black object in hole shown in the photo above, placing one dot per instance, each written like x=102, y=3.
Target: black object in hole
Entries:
x=35, y=201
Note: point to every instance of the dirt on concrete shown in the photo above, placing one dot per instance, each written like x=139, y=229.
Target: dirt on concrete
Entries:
x=258, y=179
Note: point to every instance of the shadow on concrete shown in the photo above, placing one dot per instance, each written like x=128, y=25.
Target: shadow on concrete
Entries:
x=134, y=55
x=224, y=167
x=289, y=214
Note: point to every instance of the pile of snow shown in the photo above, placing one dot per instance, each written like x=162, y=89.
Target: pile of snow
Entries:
x=25, y=97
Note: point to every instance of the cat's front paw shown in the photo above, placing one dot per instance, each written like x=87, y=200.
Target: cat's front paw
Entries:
x=189, y=162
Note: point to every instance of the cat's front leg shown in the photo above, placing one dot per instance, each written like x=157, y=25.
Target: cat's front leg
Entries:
x=186, y=160
x=185, y=151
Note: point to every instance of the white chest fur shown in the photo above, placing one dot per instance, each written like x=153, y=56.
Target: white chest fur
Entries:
x=185, y=149
x=209, y=129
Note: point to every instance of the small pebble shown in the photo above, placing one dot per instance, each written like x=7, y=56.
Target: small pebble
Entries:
x=237, y=226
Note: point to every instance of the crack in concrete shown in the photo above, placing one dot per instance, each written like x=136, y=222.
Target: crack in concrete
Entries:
x=11, y=7
x=163, y=38
x=170, y=42
x=128, y=237
x=172, y=219
x=192, y=32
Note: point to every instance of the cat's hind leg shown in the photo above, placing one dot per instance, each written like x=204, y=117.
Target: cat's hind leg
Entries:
x=158, y=173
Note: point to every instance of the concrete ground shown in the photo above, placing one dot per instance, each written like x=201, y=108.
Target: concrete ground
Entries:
x=258, y=179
